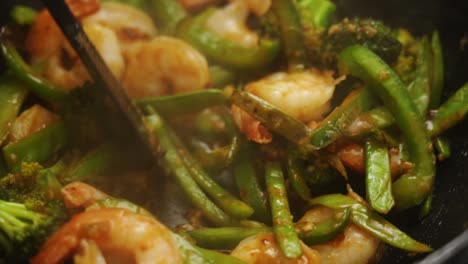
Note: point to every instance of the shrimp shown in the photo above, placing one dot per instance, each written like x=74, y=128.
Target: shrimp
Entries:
x=259, y=7
x=31, y=120
x=303, y=95
x=355, y=246
x=164, y=65
x=119, y=236
x=262, y=248
x=89, y=253
x=80, y=195
x=230, y=23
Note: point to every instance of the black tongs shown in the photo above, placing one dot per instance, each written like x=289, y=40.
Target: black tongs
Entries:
x=125, y=120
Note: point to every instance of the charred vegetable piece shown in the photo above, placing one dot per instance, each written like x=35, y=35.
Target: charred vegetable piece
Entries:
x=176, y=166
x=378, y=176
x=38, y=147
x=372, y=34
x=40, y=87
x=224, y=51
x=411, y=189
x=12, y=95
x=291, y=33
x=174, y=105
x=272, y=117
x=282, y=219
x=371, y=222
x=336, y=123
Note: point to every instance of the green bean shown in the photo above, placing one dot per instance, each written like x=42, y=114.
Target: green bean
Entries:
x=411, y=189
x=376, y=118
x=40, y=87
x=336, y=123
x=174, y=163
x=221, y=77
x=224, y=237
x=141, y=4
x=91, y=164
x=226, y=52
x=378, y=176
x=282, y=219
x=230, y=204
x=23, y=15
x=248, y=185
x=215, y=257
x=38, y=147
x=174, y=105
x=450, y=112
x=371, y=222
x=437, y=71
x=272, y=117
x=420, y=88
x=167, y=13
x=426, y=206
x=291, y=33
x=318, y=13
x=442, y=145
x=12, y=95
x=295, y=175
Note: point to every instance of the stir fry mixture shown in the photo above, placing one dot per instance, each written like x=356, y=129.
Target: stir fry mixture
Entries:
x=323, y=126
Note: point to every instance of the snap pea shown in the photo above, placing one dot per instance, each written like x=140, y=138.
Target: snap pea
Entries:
x=40, y=87
x=282, y=219
x=167, y=14
x=336, y=123
x=38, y=147
x=223, y=51
x=272, y=117
x=450, y=112
x=249, y=186
x=230, y=204
x=372, y=222
x=12, y=95
x=437, y=71
x=420, y=88
x=378, y=176
x=296, y=179
x=176, y=166
x=183, y=103
x=291, y=33
x=412, y=188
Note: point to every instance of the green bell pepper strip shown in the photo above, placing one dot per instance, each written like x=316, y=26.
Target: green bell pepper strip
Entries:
x=450, y=112
x=295, y=176
x=230, y=204
x=175, y=165
x=248, y=185
x=437, y=71
x=337, y=122
x=40, y=87
x=38, y=147
x=420, y=88
x=291, y=33
x=283, y=226
x=371, y=222
x=12, y=95
x=378, y=176
x=442, y=145
x=272, y=117
x=167, y=14
x=220, y=76
x=23, y=15
x=183, y=103
x=93, y=163
x=410, y=189
x=223, y=51
x=225, y=238
x=317, y=13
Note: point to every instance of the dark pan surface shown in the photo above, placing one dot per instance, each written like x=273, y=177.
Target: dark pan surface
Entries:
x=449, y=216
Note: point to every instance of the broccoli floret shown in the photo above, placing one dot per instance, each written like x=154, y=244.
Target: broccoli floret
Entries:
x=370, y=33
x=405, y=65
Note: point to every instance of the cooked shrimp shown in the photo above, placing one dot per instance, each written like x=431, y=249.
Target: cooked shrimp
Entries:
x=31, y=120
x=80, y=195
x=262, y=248
x=121, y=236
x=303, y=95
x=89, y=253
x=164, y=65
x=355, y=246
x=230, y=23
x=251, y=127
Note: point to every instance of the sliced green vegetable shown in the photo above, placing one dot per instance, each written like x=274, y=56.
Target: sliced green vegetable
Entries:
x=442, y=145
x=167, y=13
x=378, y=176
x=282, y=219
x=296, y=179
x=420, y=88
x=221, y=77
x=12, y=95
x=376, y=118
x=317, y=233
x=437, y=71
x=224, y=237
x=23, y=15
x=318, y=13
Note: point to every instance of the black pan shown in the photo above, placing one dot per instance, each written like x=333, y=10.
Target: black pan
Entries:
x=449, y=216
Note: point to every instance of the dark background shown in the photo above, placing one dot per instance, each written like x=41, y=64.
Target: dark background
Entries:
x=449, y=216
